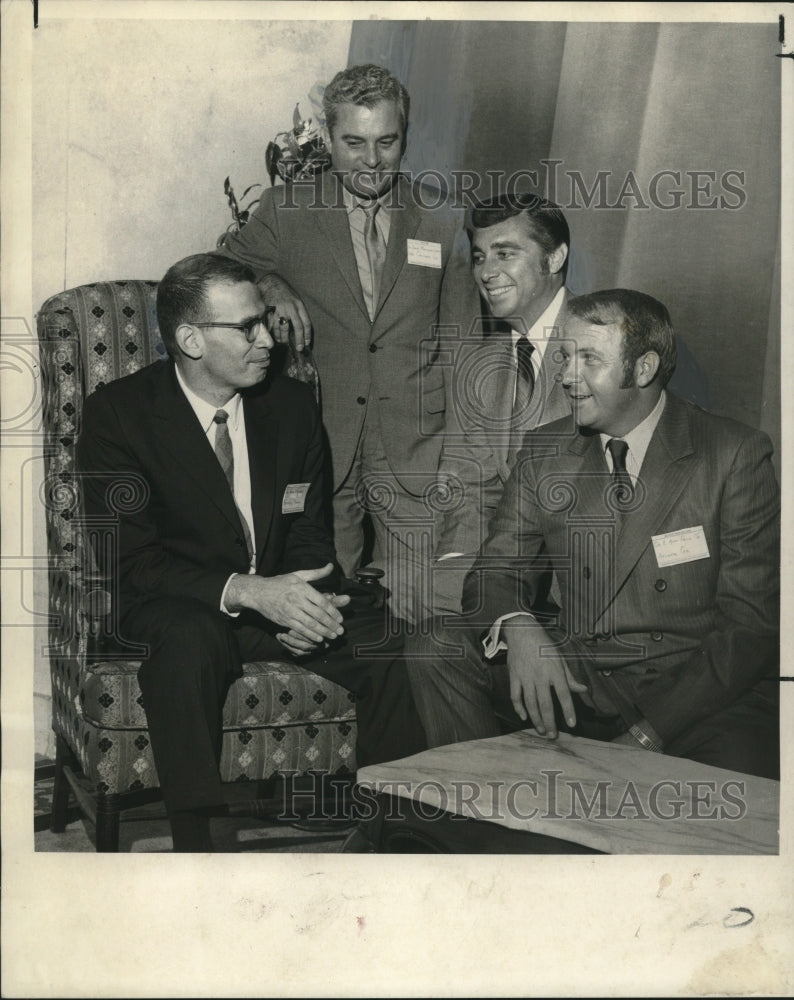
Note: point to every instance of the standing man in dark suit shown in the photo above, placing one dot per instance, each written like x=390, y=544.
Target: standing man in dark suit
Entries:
x=223, y=555
x=506, y=382
x=661, y=524
x=363, y=263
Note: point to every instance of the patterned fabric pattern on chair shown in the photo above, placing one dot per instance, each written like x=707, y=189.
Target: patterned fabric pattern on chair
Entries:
x=278, y=716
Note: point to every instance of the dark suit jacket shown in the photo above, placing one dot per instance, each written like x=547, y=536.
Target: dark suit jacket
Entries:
x=673, y=643
x=147, y=464
x=302, y=234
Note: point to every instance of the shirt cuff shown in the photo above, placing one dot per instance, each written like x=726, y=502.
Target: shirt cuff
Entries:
x=449, y=555
x=231, y=614
x=492, y=644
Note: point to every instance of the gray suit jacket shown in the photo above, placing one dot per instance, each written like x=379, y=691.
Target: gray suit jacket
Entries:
x=301, y=233
x=474, y=461
x=673, y=643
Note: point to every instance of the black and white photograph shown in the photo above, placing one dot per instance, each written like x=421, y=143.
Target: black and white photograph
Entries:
x=393, y=438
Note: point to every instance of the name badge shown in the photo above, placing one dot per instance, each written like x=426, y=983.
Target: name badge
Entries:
x=294, y=498
x=686, y=545
x=424, y=254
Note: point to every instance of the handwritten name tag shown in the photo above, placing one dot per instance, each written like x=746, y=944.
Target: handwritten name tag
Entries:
x=686, y=545
x=294, y=498
x=423, y=253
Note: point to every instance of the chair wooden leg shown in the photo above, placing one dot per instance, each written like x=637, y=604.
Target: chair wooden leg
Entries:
x=60, y=787
x=108, y=813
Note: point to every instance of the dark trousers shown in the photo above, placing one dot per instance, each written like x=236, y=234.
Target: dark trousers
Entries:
x=195, y=653
x=462, y=696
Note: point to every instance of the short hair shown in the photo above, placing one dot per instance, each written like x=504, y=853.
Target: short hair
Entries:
x=366, y=86
x=546, y=220
x=644, y=321
x=182, y=293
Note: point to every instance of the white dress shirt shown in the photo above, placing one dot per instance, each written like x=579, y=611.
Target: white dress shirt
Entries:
x=205, y=412
x=539, y=333
x=637, y=441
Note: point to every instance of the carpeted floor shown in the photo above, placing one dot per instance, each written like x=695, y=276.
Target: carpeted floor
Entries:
x=146, y=829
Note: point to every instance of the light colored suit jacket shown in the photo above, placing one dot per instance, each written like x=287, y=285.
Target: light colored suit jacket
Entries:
x=302, y=234
x=475, y=458
x=673, y=643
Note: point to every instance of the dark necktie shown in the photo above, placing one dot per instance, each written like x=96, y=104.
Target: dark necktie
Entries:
x=223, y=449
x=618, y=449
x=376, y=251
x=525, y=386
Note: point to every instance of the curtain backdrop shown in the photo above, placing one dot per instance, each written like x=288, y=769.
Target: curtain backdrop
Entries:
x=660, y=141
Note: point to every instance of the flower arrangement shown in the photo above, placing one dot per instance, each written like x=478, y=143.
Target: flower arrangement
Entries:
x=294, y=155
x=299, y=153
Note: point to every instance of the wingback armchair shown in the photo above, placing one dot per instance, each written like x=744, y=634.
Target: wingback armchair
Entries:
x=278, y=717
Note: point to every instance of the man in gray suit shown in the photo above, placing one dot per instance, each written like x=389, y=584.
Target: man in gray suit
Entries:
x=361, y=261
x=661, y=524
x=506, y=379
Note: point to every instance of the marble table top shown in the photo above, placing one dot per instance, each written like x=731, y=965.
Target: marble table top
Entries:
x=608, y=797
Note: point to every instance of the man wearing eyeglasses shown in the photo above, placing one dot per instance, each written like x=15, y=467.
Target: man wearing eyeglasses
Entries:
x=225, y=555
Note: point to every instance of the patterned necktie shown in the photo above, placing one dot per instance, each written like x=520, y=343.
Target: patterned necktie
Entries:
x=618, y=449
x=525, y=386
x=223, y=449
x=376, y=251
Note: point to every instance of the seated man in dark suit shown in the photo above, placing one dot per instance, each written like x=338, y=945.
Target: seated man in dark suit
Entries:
x=661, y=525
x=223, y=559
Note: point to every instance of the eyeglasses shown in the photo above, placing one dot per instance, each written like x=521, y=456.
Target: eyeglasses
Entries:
x=250, y=329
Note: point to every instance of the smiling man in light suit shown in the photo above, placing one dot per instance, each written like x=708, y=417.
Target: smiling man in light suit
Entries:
x=506, y=382
x=661, y=525
x=361, y=263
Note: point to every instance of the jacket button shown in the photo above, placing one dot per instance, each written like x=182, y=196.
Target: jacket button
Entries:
x=239, y=541
x=373, y=348
x=657, y=636
x=586, y=572
x=606, y=673
x=361, y=400
x=661, y=585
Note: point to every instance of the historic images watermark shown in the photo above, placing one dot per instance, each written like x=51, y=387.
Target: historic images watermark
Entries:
x=550, y=795
x=667, y=189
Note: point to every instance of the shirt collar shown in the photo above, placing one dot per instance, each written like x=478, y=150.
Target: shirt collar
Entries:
x=351, y=202
x=538, y=333
x=639, y=437
x=206, y=411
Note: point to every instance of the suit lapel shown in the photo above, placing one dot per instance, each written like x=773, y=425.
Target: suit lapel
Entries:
x=500, y=404
x=555, y=402
x=333, y=222
x=261, y=432
x=663, y=477
x=184, y=438
x=404, y=223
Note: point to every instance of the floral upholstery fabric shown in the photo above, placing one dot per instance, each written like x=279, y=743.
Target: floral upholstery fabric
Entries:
x=279, y=716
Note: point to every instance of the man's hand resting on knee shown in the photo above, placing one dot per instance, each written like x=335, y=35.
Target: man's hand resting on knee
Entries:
x=310, y=617
x=534, y=673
